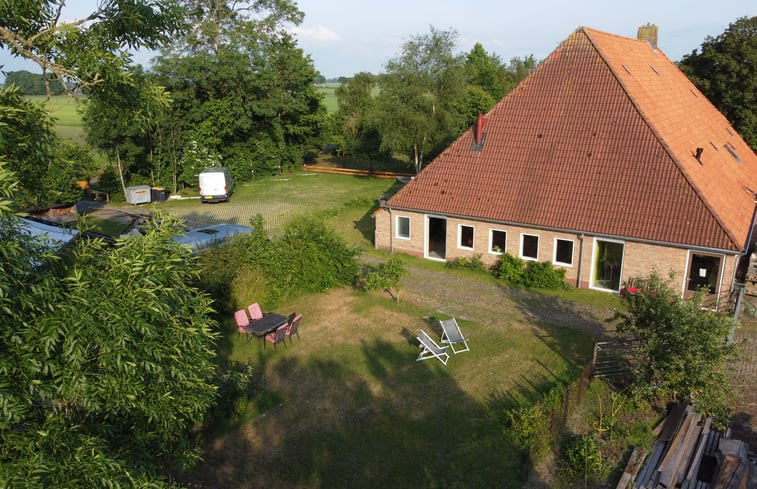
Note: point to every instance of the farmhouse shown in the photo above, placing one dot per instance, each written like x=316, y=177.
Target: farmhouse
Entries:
x=606, y=161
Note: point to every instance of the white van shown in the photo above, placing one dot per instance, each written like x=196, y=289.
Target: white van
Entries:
x=216, y=184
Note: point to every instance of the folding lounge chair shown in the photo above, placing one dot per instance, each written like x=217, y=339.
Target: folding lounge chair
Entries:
x=429, y=349
x=453, y=336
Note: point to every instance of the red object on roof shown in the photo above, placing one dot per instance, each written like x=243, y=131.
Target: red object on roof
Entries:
x=601, y=138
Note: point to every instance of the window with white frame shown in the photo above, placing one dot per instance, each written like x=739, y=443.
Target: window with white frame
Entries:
x=497, y=241
x=466, y=236
x=529, y=246
x=403, y=227
x=563, y=252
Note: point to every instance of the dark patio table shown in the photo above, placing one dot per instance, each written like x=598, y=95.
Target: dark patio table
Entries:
x=267, y=324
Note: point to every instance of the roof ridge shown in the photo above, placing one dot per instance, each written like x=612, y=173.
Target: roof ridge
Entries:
x=658, y=137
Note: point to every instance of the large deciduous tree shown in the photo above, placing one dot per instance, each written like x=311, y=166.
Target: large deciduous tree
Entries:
x=92, y=49
x=683, y=347
x=105, y=358
x=241, y=88
x=28, y=142
x=725, y=70
x=417, y=111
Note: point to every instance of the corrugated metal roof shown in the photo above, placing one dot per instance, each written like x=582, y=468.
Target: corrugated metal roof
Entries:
x=601, y=138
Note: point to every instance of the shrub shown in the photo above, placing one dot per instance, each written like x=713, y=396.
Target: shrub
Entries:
x=308, y=257
x=386, y=277
x=473, y=263
x=542, y=275
x=236, y=387
x=509, y=268
x=581, y=460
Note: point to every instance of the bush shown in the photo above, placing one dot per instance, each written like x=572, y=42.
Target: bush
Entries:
x=308, y=257
x=542, y=275
x=236, y=386
x=509, y=268
x=386, y=277
x=473, y=263
x=581, y=460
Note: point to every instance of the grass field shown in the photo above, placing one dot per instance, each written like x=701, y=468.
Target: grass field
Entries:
x=277, y=199
x=63, y=109
x=329, y=96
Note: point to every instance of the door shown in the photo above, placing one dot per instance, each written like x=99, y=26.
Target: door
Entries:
x=704, y=275
x=437, y=238
x=608, y=265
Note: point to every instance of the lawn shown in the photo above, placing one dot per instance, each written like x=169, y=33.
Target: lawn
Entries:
x=277, y=199
x=347, y=405
x=354, y=409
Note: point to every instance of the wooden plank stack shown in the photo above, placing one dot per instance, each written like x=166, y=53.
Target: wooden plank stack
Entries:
x=688, y=454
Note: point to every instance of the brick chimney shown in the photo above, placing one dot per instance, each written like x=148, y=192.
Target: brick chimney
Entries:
x=648, y=33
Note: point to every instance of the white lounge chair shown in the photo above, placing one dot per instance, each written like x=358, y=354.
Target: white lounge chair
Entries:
x=429, y=349
x=453, y=336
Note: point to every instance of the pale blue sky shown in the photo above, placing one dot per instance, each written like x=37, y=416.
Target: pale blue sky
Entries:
x=344, y=37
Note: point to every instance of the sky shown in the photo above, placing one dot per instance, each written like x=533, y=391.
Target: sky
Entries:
x=344, y=37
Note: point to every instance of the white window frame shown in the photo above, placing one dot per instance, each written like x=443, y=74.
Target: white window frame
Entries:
x=460, y=237
x=397, y=227
x=520, y=250
x=572, y=251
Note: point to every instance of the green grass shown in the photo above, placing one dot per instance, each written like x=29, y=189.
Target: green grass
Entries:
x=63, y=109
x=277, y=199
x=357, y=410
x=329, y=96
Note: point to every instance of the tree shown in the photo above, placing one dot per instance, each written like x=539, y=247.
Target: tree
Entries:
x=242, y=89
x=725, y=70
x=33, y=84
x=416, y=113
x=682, y=347
x=487, y=71
x=91, y=50
x=105, y=358
x=28, y=140
x=120, y=121
x=359, y=135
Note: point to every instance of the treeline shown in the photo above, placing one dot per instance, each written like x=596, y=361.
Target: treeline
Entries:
x=34, y=83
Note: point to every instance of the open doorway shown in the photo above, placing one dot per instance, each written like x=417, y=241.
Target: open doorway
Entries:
x=703, y=275
x=437, y=238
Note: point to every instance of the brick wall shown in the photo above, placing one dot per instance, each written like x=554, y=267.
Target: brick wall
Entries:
x=639, y=258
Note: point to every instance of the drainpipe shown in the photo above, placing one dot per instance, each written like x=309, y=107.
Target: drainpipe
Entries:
x=391, y=231
x=580, y=260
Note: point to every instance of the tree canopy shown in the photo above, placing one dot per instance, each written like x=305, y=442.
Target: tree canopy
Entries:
x=90, y=50
x=416, y=110
x=725, y=70
x=241, y=89
x=33, y=83
x=105, y=358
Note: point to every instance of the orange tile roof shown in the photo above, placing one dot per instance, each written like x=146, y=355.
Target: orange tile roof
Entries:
x=601, y=138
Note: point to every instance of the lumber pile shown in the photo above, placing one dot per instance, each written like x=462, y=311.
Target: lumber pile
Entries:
x=688, y=454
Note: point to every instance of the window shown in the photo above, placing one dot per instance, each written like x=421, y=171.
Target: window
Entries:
x=403, y=227
x=497, y=241
x=466, y=236
x=563, y=252
x=529, y=246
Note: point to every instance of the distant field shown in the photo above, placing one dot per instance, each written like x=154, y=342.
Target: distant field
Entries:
x=67, y=119
x=329, y=96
